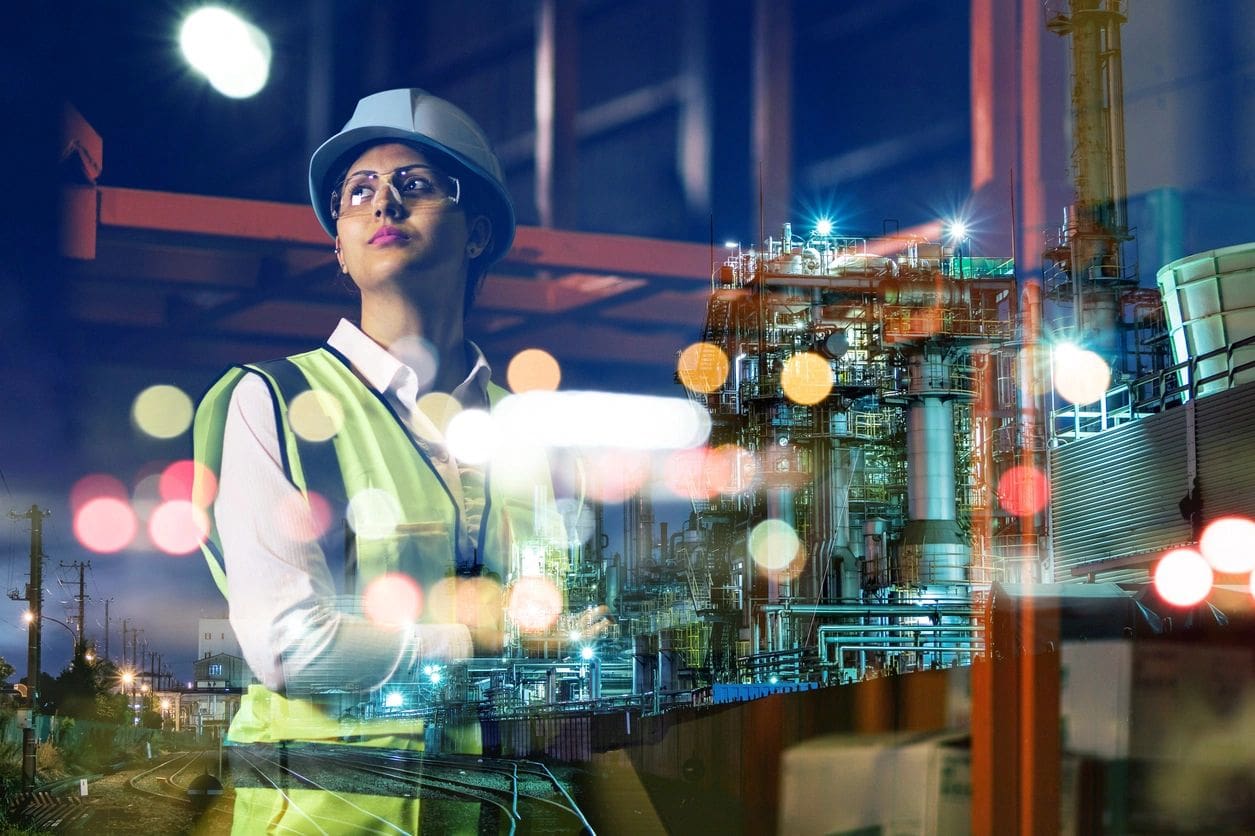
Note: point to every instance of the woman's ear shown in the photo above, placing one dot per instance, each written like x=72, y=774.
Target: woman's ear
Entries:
x=479, y=236
x=340, y=257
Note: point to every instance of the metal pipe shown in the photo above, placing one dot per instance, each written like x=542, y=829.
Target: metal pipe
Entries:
x=873, y=611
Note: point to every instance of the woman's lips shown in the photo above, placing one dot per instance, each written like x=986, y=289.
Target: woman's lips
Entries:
x=388, y=235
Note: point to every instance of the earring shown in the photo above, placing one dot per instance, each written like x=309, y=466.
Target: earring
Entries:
x=343, y=269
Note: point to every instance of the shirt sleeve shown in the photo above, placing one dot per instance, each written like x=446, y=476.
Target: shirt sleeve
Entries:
x=294, y=631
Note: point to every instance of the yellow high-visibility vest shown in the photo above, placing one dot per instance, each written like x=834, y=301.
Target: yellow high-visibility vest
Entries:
x=373, y=451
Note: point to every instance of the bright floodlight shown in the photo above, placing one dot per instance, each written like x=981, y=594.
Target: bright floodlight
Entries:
x=732, y=245
x=586, y=653
x=228, y=50
x=28, y=616
x=956, y=230
x=435, y=677
x=395, y=699
x=823, y=227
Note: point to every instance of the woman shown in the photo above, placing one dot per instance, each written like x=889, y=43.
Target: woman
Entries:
x=416, y=204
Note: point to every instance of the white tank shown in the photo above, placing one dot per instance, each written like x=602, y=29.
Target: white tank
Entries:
x=1209, y=301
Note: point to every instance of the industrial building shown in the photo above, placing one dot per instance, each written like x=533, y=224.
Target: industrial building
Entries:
x=948, y=448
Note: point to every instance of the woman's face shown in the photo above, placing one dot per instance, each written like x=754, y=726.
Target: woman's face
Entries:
x=423, y=244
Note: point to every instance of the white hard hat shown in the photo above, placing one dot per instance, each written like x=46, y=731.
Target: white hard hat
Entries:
x=416, y=117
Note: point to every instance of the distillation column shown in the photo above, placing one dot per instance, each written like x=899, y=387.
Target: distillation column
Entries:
x=935, y=551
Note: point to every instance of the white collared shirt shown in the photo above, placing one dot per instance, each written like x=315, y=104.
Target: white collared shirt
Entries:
x=283, y=601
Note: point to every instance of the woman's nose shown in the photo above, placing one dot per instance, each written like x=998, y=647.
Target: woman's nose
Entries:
x=388, y=201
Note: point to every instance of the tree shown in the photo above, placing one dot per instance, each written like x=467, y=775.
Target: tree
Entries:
x=6, y=670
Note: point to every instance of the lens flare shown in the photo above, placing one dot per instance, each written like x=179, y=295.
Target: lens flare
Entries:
x=178, y=527
x=105, y=524
x=1081, y=376
x=439, y=409
x=806, y=378
x=703, y=367
x=534, y=604
x=95, y=486
x=1023, y=490
x=162, y=411
x=374, y=513
x=190, y=481
x=315, y=415
x=774, y=545
x=533, y=369
x=301, y=519
x=473, y=436
x=393, y=599
x=1183, y=578
x=1228, y=544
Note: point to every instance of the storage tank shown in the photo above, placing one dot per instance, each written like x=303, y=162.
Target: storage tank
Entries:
x=1209, y=302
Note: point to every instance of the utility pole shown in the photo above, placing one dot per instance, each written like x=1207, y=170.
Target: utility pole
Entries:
x=81, y=598
x=124, y=642
x=108, y=601
x=35, y=600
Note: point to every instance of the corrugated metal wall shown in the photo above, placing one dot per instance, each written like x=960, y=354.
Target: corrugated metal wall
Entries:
x=1117, y=494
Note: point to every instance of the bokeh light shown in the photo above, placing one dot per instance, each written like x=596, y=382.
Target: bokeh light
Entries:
x=162, y=411
x=233, y=54
x=1023, y=490
x=95, y=486
x=315, y=415
x=774, y=545
x=702, y=367
x=1080, y=375
x=105, y=524
x=474, y=602
x=439, y=409
x=1183, y=578
x=1228, y=544
x=473, y=436
x=374, y=513
x=146, y=495
x=393, y=599
x=534, y=604
x=702, y=473
x=533, y=369
x=178, y=527
x=303, y=519
x=188, y=480
x=614, y=475
x=806, y=378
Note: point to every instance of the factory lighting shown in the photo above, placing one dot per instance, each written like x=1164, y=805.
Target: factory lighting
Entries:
x=732, y=245
x=28, y=616
x=576, y=635
x=823, y=227
x=956, y=230
x=395, y=699
x=435, y=677
x=586, y=653
x=233, y=54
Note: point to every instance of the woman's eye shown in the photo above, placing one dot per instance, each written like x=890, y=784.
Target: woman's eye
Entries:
x=416, y=183
x=359, y=194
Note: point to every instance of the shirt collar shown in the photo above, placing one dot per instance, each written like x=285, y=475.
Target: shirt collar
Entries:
x=382, y=371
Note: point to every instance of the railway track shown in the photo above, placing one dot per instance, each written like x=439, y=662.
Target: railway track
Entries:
x=507, y=796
